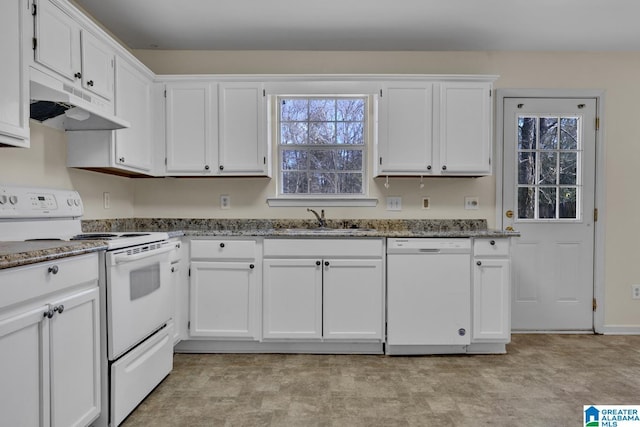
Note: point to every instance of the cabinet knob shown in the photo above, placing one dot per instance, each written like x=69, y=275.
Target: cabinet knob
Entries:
x=121, y=159
x=173, y=269
x=78, y=75
x=428, y=167
x=222, y=245
x=444, y=167
x=318, y=263
x=53, y=269
x=251, y=266
x=326, y=263
x=59, y=308
x=492, y=243
x=462, y=332
x=206, y=167
x=90, y=83
x=221, y=167
x=478, y=263
x=48, y=314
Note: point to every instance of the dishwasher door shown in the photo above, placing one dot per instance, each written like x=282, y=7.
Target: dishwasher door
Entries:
x=429, y=293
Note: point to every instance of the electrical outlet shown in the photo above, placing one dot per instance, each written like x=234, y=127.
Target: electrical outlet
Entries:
x=471, y=203
x=426, y=203
x=394, y=203
x=635, y=291
x=225, y=201
x=106, y=200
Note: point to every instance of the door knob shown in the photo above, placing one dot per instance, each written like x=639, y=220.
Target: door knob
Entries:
x=509, y=213
x=509, y=228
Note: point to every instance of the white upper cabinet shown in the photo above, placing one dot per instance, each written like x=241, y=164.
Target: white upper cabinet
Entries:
x=242, y=129
x=465, y=128
x=14, y=76
x=430, y=128
x=405, y=129
x=63, y=46
x=215, y=129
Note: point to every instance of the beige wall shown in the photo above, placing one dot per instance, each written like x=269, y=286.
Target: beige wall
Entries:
x=616, y=73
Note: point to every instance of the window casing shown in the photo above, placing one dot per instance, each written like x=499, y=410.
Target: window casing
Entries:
x=322, y=145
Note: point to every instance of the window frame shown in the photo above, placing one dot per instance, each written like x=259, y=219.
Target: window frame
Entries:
x=365, y=149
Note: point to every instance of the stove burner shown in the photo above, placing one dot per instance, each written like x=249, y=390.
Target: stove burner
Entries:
x=94, y=236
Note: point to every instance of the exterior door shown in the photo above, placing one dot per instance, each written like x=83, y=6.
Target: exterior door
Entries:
x=548, y=196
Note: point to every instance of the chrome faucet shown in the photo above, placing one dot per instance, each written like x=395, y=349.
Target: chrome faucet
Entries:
x=322, y=223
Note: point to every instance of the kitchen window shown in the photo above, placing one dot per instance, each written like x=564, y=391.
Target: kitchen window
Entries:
x=322, y=144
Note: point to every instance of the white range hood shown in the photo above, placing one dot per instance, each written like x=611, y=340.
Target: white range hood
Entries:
x=59, y=105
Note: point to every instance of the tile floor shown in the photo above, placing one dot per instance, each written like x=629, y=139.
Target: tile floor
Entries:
x=543, y=381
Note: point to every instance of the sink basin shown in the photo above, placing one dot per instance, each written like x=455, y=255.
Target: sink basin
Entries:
x=327, y=231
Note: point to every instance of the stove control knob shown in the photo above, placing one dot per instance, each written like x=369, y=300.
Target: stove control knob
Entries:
x=13, y=200
x=3, y=199
x=76, y=202
x=70, y=202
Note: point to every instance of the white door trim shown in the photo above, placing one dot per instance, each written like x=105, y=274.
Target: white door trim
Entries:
x=598, y=272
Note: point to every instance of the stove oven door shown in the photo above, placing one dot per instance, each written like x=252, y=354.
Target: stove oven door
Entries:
x=139, y=294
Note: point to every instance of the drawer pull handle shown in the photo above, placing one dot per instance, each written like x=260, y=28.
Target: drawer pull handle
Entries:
x=478, y=263
x=222, y=245
x=492, y=243
x=251, y=266
x=53, y=269
x=326, y=263
x=318, y=263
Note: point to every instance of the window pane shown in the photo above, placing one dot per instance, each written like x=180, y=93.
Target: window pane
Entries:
x=526, y=202
x=568, y=168
x=547, y=202
x=548, y=167
x=322, y=110
x=322, y=133
x=322, y=160
x=569, y=133
x=294, y=109
x=294, y=182
x=348, y=160
x=568, y=202
x=322, y=182
x=527, y=133
x=548, y=133
x=293, y=133
x=350, y=110
x=350, y=183
x=350, y=133
x=294, y=160
x=527, y=168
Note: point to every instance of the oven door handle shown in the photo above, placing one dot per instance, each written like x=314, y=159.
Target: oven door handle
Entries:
x=122, y=258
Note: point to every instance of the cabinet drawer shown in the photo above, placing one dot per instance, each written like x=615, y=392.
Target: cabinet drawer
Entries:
x=491, y=247
x=223, y=249
x=36, y=280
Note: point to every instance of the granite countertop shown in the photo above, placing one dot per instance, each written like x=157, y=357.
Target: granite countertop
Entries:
x=15, y=254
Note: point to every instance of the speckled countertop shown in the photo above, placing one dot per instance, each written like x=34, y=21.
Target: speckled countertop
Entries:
x=15, y=254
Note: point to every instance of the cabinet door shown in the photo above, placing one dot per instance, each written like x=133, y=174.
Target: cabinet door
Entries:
x=224, y=300
x=292, y=299
x=75, y=360
x=405, y=130
x=58, y=38
x=190, y=128
x=491, y=297
x=24, y=374
x=352, y=302
x=242, y=129
x=465, y=128
x=133, y=103
x=97, y=66
x=14, y=75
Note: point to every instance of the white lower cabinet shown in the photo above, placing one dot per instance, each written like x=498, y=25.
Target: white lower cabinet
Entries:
x=491, y=291
x=49, y=344
x=336, y=295
x=225, y=293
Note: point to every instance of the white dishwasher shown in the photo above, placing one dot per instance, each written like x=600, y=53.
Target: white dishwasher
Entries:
x=428, y=295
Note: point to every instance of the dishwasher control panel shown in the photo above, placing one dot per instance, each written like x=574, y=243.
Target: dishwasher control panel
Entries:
x=426, y=245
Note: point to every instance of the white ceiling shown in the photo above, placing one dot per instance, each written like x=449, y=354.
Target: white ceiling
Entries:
x=426, y=25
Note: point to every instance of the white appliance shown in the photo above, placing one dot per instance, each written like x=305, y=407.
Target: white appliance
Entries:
x=136, y=294
x=428, y=295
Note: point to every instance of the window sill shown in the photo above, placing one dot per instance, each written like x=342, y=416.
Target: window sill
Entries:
x=322, y=202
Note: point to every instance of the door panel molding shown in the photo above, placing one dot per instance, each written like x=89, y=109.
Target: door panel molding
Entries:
x=600, y=176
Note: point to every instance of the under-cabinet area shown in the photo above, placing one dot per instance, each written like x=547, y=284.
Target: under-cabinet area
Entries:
x=346, y=295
